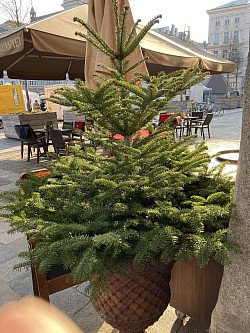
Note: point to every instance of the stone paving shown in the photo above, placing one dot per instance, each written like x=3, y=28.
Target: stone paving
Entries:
x=225, y=134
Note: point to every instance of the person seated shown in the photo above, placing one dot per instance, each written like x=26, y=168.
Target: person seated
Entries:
x=178, y=120
x=43, y=105
x=36, y=105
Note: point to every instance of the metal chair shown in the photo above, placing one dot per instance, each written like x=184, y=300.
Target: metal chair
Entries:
x=28, y=137
x=203, y=124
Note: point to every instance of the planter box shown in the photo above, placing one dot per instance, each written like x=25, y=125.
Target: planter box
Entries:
x=231, y=102
x=194, y=290
x=36, y=120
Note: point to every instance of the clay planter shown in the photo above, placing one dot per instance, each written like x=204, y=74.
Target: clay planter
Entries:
x=135, y=301
x=41, y=173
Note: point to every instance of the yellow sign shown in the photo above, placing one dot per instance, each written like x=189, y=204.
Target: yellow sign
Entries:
x=11, y=99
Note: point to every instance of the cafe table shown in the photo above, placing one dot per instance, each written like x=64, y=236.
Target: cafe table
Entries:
x=188, y=123
x=45, y=132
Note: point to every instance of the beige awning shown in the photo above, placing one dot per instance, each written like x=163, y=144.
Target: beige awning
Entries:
x=49, y=49
x=168, y=52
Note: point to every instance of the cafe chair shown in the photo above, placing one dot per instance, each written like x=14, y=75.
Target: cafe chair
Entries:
x=176, y=124
x=68, y=129
x=89, y=124
x=179, y=126
x=68, y=124
x=164, y=116
x=22, y=132
x=77, y=132
x=198, y=114
x=28, y=137
x=203, y=124
x=49, y=125
x=59, y=143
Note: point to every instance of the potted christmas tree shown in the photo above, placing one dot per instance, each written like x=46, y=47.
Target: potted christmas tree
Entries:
x=121, y=222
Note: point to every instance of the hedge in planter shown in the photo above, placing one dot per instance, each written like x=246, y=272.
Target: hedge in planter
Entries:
x=154, y=201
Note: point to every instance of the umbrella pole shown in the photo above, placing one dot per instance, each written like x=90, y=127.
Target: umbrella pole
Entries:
x=27, y=95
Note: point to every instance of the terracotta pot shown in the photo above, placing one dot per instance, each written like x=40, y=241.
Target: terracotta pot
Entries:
x=137, y=300
x=41, y=173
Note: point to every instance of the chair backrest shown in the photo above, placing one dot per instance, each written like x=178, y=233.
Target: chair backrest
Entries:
x=49, y=125
x=22, y=131
x=164, y=117
x=198, y=114
x=57, y=139
x=68, y=124
x=26, y=133
x=208, y=118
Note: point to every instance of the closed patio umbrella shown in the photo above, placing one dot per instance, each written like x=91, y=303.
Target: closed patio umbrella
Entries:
x=101, y=18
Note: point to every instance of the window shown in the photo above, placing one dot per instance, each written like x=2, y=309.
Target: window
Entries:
x=217, y=22
x=234, y=53
x=226, y=36
x=224, y=54
x=216, y=53
x=227, y=20
x=216, y=38
x=236, y=36
x=237, y=19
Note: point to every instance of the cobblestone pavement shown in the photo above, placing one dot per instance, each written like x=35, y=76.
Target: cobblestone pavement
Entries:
x=225, y=134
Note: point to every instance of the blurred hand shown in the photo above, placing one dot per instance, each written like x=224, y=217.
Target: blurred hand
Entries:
x=33, y=315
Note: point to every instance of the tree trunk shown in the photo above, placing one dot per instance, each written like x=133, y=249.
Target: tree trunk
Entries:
x=232, y=311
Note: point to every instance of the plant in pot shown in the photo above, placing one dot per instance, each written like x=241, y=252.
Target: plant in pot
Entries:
x=122, y=221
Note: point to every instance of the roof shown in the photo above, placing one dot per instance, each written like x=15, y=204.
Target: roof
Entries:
x=232, y=4
x=218, y=84
x=3, y=27
x=39, y=18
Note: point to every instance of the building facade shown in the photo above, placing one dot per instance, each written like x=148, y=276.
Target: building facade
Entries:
x=228, y=37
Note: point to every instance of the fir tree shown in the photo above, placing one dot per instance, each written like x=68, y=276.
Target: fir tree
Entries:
x=152, y=200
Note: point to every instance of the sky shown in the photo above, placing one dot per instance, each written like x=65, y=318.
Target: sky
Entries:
x=182, y=13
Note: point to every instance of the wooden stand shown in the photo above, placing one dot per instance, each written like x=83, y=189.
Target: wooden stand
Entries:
x=47, y=284
x=194, y=290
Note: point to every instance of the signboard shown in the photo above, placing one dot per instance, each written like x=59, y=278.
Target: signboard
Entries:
x=12, y=44
x=11, y=99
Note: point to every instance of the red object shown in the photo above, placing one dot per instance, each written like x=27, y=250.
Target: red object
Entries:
x=118, y=137
x=165, y=116
x=144, y=133
x=79, y=125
